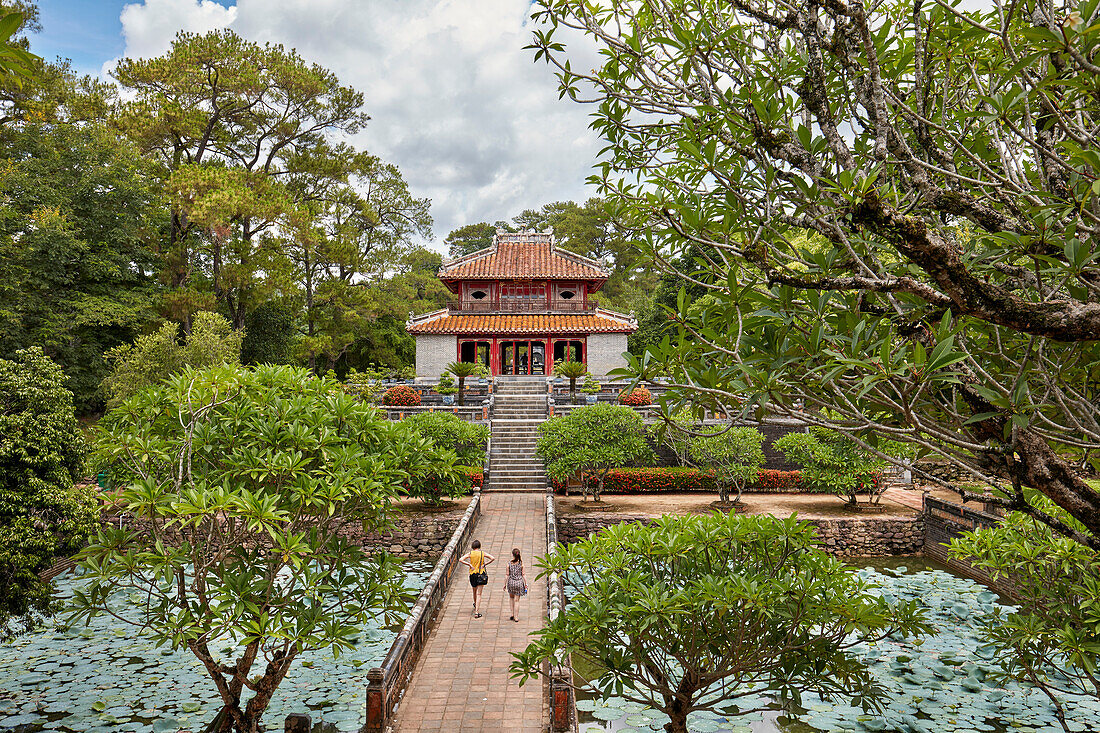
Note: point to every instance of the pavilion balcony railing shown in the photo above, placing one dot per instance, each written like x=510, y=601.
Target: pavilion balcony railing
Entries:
x=505, y=305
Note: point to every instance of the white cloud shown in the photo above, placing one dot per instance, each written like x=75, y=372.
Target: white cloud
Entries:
x=149, y=27
x=456, y=102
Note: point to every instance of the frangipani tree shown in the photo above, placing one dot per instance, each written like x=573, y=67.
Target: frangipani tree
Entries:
x=591, y=441
x=1052, y=638
x=704, y=612
x=894, y=207
x=833, y=462
x=735, y=454
x=239, y=481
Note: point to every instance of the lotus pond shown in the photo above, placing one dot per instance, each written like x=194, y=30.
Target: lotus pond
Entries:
x=935, y=686
x=105, y=679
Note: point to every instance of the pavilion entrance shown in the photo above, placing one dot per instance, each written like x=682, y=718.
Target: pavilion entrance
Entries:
x=523, y=357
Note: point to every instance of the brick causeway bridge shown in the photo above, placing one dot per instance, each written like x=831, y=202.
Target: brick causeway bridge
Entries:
x=461, y=680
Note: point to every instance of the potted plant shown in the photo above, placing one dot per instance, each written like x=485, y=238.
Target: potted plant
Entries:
x=638, y=397
x=571, y=370
x=591, y=389
x=401, y=395
x=462, y=370
x=447, y=388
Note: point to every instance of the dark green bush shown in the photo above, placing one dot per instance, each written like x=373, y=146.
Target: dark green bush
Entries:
x=466, y=439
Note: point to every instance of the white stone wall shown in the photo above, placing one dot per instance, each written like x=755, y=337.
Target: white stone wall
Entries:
x=604, y=352
x=434, y=352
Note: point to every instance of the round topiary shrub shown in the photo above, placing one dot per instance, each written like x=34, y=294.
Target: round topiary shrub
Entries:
x=638, y=398
x=401, y=395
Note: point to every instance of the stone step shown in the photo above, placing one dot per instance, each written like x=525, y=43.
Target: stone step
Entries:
x=515, y=490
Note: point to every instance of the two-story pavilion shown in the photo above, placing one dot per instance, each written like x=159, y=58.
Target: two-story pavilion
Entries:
x=521, y=305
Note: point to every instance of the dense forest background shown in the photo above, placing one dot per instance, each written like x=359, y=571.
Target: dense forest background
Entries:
x=218, y=177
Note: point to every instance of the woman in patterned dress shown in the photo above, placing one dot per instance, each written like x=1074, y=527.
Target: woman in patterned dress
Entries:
x=516, y=582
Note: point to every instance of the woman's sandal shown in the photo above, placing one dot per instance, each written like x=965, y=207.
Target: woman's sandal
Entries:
x=477, y=615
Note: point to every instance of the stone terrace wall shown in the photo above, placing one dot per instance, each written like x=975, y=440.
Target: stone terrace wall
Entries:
x=842, y=537
x=412, y=535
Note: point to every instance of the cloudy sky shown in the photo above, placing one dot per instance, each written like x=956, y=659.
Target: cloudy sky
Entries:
x=455, y=100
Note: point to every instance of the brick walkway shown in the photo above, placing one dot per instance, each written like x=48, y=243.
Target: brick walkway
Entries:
x=461, y=682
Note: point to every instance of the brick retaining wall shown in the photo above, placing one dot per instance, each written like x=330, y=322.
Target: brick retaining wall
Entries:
x=945, y=521
x=865, y=537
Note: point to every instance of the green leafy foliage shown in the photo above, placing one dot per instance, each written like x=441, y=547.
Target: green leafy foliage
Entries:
x=153, y=358
x=446, y=384
x=268, y=334
x=75, y=220
x=462, y=370
x=691, y=613
x=469, y=239
x=16, y=63
x=590, y=441
x=863, y=222
x=835, y=463
x=735, y=454
x=468, y=440
x=239, y=481
x=42, y=515
x=1052, y=639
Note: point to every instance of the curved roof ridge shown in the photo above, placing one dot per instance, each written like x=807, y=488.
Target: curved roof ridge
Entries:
x=523, y=255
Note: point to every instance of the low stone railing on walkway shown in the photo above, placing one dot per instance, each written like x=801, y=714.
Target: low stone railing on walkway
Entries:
x=562, y=699
x=386, y=684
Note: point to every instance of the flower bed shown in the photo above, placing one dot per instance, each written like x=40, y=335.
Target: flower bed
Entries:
x=678, y=479
x=401, y=395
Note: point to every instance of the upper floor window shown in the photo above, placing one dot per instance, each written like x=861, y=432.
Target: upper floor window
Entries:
x=522, y=291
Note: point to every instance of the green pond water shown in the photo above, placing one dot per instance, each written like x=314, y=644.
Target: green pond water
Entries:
x=935, y=686
x=104, y=678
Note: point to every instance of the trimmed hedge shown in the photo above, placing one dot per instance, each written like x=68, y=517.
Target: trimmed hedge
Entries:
x=770, y=480
x=661, y=480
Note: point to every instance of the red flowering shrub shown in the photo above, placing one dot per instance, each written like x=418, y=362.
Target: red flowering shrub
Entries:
x=666, y=479
x=638, y=398
x=401, y=395
x=475, y=475
x=769, y=480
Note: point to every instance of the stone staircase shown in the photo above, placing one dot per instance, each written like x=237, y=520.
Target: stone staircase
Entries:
x=519, y=406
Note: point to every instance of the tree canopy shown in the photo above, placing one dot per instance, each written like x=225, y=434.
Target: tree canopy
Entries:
x=590, y=441
x=43, y=516
x=239, y=481
x=705, y=612
x=895, y=209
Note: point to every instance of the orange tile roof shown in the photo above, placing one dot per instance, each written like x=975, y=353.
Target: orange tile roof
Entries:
x=444, y=322
x=527, y=255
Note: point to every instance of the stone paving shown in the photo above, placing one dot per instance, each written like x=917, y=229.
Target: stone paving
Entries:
x=906, y=497
x=461, y=682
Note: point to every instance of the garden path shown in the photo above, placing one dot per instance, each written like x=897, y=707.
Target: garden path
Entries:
x=461, y=681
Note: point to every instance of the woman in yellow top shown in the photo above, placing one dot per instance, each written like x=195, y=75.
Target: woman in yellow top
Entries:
x=476, y=559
